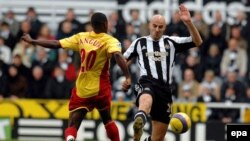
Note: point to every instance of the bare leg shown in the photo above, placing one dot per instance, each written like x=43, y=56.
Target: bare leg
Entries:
x=159, y=131
x=145, y=104
x=110, y=126
x=75, y=119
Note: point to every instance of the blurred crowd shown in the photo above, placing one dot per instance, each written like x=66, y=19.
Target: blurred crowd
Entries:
x=217, y=72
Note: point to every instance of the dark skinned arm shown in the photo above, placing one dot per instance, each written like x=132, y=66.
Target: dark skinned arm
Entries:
x=53, y=44
x=120, y=60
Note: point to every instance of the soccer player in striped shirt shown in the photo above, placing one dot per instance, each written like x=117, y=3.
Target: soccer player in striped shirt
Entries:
x=93, y=88
x=156, y=54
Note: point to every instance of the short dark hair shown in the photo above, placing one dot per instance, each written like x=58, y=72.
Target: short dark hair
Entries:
x=31, y=9
x=98, y=20
x=4, y=24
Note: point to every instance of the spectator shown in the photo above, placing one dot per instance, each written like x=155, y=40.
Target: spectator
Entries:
x=211, y=84
x=236, y=34
x=229, y=115
x=35, y=23
x=126, y=43
x=120, y=96
x=25, y=28
x=140, y=28
x=87, y=25
x=206, y=96
x=70, y=18
x=218, y=21
x=213, y=60
x=5, y=52
x=65, y=62
x=234, y=59
x=200, y=24
x=45, y=33
x=236, y=85
x=88, y=28
x=66, y=30
x=41, y=59
x=186, y=96
x=176, y=27
x=116, y=25
x=192, y=62
x=25, y=51
x=117, y=89
x=22, y=69
x=9, y=39
x=37, y=83
x=130, y=32
x=12, y=22
x=189, y=86
x=194, y=52
x=116, y=73
x=16, y=84
x=241, y=20
x=215, y=37
x=58, y=87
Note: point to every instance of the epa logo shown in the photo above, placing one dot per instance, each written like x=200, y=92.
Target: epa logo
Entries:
x=238, y=133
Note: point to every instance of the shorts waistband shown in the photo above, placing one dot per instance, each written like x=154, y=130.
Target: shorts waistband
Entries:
x=158, y=81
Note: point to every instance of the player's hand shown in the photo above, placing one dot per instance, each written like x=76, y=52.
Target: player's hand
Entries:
x=184, y=14
x=26, y=38
x=126, y=84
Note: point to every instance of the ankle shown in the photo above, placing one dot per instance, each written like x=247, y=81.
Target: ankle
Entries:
x=142, y=115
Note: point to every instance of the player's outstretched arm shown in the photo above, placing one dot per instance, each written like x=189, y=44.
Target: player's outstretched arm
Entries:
x=120, y=60
x=53, y=44
x=186, y=18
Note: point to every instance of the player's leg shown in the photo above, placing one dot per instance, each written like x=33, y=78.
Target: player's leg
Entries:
x=145, y=103
x=148, y=138
x=75, y=119
x=110, y=126
x=160, y=115
x=103, y=104
x=159, y=130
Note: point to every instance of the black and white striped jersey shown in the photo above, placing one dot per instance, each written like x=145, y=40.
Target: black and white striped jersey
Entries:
x=156, y=58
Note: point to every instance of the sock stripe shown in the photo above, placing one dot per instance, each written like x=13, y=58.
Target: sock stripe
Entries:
x=141, y=114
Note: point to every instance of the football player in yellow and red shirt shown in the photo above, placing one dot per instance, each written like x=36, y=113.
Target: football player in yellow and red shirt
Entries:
x=93, y=88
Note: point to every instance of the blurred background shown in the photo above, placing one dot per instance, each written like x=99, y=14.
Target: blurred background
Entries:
x=211, y=84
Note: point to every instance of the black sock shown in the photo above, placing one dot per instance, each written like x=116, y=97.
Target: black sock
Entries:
x=141, y=114
x=148, y=138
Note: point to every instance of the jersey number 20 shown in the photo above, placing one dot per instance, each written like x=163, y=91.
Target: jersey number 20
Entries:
x=90, y=60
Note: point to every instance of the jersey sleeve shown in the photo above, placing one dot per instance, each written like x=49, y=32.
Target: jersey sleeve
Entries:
x=114, y=46
x=182, y=43
x=131, y=51
x=70, y=42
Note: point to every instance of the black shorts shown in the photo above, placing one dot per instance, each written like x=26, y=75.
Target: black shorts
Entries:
x=162, y=98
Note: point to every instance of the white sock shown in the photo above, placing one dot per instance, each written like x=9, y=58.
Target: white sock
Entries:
x=70, y=137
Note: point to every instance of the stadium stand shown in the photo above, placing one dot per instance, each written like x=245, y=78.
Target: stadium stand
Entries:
x=52, y=12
